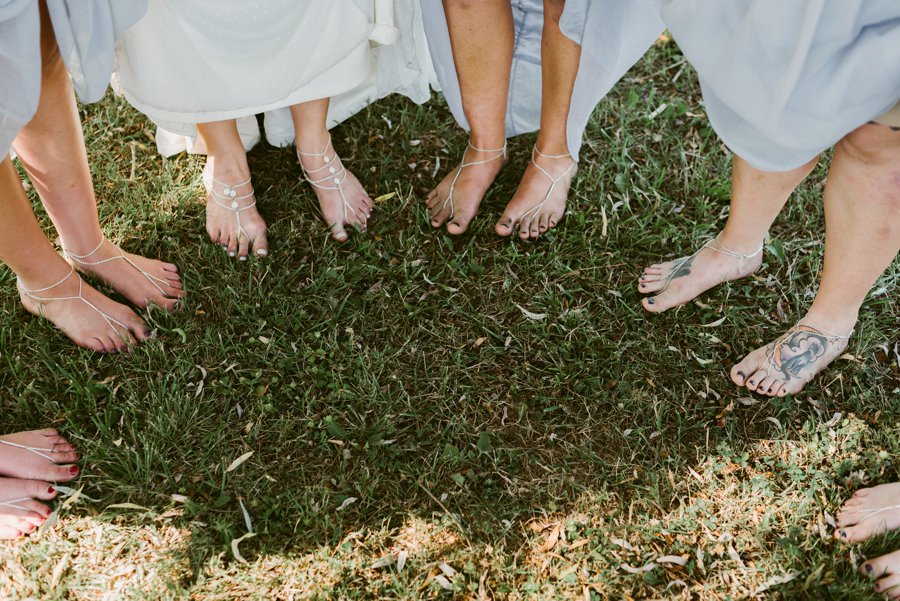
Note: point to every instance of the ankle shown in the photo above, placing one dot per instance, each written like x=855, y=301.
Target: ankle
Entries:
x=228, y=169
x=313, y=141
x=50, y=281
x=741, y=240
x=487, y=141
x=840, y=321
x=552, y=146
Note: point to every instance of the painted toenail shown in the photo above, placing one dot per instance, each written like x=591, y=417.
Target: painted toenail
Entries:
x=869, y=568
x=752, y=383
x=651, y=301
x=51, y=490
x=73, y=470
x=243, y=258
x=262, y=252
x=230, y=253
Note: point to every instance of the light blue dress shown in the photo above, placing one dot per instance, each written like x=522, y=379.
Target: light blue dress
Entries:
x=784, y=80
x=86, y=31
x=613, y=35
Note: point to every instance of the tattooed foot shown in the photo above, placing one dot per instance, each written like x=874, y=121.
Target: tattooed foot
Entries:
x=680, y=281
x=887, y=570
x=785, y=366
x=869, y=512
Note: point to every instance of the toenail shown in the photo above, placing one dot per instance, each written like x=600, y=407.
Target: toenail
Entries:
x=262, y=252
x=73, y=470
x=651, y=301
x=243, y=258
x=869, y=568
x=231, y=253
x=51, y=490
x=752, y=383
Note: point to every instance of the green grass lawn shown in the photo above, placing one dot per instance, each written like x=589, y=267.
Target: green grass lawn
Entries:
x=425, y=412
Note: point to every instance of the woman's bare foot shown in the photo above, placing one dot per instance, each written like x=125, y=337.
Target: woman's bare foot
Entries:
x=457, y=198
x=342, y=199
x=785, y=366
x=869, y=512
x=88, y=318
x=142, y=281
x=682, y=280
x=231, y=216
x=887, y=569
x=20, y=511
x=540, y=200
x=38, y=455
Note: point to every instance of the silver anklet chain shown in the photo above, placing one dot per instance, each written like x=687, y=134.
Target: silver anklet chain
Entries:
x=82, y=260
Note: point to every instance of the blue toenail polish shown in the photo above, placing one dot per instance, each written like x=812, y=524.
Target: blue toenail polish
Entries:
x=651, y=301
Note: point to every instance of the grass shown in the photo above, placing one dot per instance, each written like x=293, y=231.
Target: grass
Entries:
x=403, y=408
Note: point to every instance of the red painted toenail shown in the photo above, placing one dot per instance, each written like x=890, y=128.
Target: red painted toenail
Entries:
x=51, y=490
x=73, y=470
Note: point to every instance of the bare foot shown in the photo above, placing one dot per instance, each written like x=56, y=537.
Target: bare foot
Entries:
x=342, y=199
x=785, y=366
x=231, y=216
x=20, y=511
x=869, y=512
x=142, y=281
x=682, y=280
x=88, y=318
x=540, y=200
x=457, y=198
x=887, y=569
x=38, y=455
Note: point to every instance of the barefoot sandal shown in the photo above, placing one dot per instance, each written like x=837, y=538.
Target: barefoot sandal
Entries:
x=230, y=199
x=82, y=260
x=774, y=357
x=14, y=503
x=719, y=248
x=33, y=294
x=530, y=213
x=498, y=153
x=36, y=450
x=332, y=180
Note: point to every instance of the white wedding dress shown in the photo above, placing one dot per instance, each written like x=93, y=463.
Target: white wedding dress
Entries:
x=196, y=61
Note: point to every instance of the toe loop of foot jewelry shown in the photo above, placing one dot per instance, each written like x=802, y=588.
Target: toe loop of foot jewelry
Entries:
x=330, y=176
x=774, y=358
x=33, y=294
x=41, y=452
x=230, y=199
x=14, y=504
x=554, y=181
x=496, y=154
x=84, y=262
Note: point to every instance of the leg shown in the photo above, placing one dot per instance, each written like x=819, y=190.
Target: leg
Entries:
x=231, y=221
x=25, y=249
x=756, y=199
x=481, y=33
x=540, y=201
x=862, y=237
x=51, y=148
x=342, y=198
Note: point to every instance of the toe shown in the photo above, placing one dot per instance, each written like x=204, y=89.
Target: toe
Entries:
x=776, y=388
x=889, y=585
x=649, y=287
x=756, y=379
x=460, y=222
x=439, y=212
x=544, y=222
x=243, y=247
x=338, y=232
x=862, y=531
x=766, y=384
x=554, y=218
x=504, y=226
x=10, y=533
x=232, y=246
x=261, y=246
x=881, y=566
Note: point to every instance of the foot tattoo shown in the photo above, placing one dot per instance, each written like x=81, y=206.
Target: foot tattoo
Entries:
x=788, y=364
